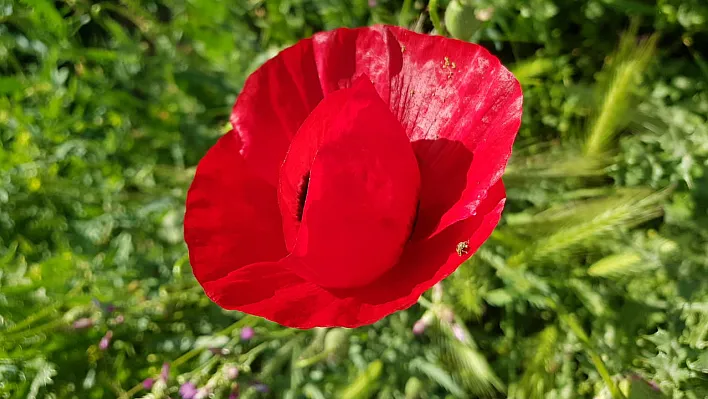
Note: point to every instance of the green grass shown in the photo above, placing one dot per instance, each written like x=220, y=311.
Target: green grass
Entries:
x=595, y=284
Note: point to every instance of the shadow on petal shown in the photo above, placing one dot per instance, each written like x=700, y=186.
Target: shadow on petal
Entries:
x=443, y=166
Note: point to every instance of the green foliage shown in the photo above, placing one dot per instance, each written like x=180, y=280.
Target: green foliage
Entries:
x=593, y=285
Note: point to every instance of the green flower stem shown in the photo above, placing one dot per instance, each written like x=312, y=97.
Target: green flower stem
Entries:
x=425, y=303
x=203, y=369
x=31, y=319
x=37, y=330
x=594, y=357
x=251, y=355
x=226, y=331
x=435, y=17
x=191, y=354
x=312, y=359
x=404, y=18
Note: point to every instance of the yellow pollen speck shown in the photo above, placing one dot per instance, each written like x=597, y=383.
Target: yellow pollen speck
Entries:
x=403, y=49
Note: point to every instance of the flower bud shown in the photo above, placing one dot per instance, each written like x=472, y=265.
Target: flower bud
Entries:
x=231, y=372
x=414, y=387
x=188, y=390
x=336, y=342
x=165, y=372
x=82, y=323
x=419, y=327
x=447, y=315
x=148, y=383
x=460, y=20
x=459, y=333
x=247, y=333
x=105, y=341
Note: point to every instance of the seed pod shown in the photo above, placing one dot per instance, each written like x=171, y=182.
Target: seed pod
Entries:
x=413, y=388
x=336, y=342
x=460, y=20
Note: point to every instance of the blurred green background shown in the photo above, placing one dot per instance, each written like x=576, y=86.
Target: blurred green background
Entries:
x=595, y=284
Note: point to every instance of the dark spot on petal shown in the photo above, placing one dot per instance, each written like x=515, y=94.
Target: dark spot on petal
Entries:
x=302, y=195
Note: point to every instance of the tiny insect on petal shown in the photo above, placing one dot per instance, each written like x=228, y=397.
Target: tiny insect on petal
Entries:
x=463, y=248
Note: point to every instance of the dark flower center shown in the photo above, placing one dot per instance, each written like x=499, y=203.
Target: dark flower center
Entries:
x=302, y=196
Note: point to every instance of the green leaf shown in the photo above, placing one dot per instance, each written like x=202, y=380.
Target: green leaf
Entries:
x=440, y=376
x=640, y=389
x=701, y=364
x=365, y=384
x=44, y=372
x=9, y=85
x=499, y=297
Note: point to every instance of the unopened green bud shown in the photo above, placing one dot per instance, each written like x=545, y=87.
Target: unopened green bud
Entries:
x=460, y=20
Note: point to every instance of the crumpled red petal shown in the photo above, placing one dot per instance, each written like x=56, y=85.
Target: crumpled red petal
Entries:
x=232, y=216
x=274, y=102
x=271, y=290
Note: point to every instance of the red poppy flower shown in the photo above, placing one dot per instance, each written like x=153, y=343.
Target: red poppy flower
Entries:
x=364, y=166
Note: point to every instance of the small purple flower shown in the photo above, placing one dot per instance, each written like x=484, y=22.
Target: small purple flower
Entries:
x=105, y=341
x=148, y=383
x=235, y=393
x=231, y=372
x=247, y=333
x=419, y=327
x=110, y=308
x=459, y=333
x=165, y=372
x=188, y=390
x=262, y=388
x=372, y=3
x=80, y=324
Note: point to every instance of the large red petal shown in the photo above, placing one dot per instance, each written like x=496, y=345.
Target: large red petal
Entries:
x=232, y=216
x=271, y=290
x=274, y=102
x=458, y=104
x=352, y=178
